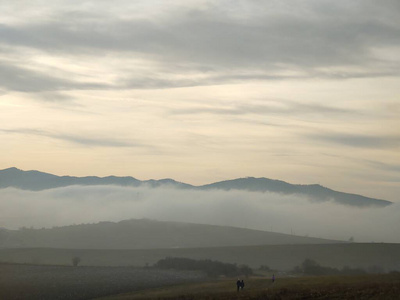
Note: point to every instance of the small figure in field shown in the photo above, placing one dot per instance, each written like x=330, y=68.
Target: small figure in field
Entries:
x=238, y=284
x=242, y=285
x=273, y=278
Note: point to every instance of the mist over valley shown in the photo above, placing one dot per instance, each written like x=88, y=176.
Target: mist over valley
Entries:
x=252, y=203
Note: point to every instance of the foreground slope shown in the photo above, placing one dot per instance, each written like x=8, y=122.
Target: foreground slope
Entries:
x=145, y=234
x=382, y=286
x=39, y=282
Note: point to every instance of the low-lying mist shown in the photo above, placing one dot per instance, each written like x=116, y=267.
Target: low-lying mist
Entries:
x=263, y=211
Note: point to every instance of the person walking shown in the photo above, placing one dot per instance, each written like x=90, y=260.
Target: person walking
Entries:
x=238, y=284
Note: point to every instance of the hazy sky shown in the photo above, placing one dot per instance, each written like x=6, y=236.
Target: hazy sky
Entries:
x=201, y=91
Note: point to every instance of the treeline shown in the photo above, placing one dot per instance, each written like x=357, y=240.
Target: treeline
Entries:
x=311, y=267
x=210, y=267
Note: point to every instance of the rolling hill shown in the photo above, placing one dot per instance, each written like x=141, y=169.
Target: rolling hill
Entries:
x=145, y=234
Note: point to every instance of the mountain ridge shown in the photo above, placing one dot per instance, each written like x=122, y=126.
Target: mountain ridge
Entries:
x=36, y=181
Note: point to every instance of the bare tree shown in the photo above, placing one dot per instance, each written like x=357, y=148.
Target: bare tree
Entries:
x=75, y=261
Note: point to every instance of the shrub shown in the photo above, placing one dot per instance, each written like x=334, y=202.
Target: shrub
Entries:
x=211, y=268
x=311, y=267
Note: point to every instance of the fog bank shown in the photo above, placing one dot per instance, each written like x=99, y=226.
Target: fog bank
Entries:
x=263, y=211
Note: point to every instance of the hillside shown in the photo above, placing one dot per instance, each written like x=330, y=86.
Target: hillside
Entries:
x=280, y=257
x=35, y=180
x=145, y=234
x=361, y=287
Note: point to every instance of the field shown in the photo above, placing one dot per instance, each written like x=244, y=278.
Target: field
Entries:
x=384, y=287
x=44, y=273
x=280, y=257
x=63, y=282
x=123, y=283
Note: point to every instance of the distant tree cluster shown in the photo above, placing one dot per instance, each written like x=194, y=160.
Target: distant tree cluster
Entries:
x=210, y=267
x=265, y=268
x=311, y=267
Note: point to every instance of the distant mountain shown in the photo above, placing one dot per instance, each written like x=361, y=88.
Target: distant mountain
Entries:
x=314, y=192
x=145, y=234
x=35, y=180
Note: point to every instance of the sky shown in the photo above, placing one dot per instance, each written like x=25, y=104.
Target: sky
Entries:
x=202, y=91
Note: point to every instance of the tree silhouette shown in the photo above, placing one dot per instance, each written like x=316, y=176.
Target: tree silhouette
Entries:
x=75, y=261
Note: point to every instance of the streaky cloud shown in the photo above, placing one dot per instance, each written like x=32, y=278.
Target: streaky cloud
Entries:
x=358, y=140
x=18, y=78
x=76, y=139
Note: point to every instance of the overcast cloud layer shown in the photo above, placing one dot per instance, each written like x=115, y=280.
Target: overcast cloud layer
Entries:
x=170, y=45
x=201, y=91
x=264, y=211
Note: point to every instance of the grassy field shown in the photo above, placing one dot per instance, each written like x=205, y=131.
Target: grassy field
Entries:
x=384, y=287
x=279, y=257
x=38, y=282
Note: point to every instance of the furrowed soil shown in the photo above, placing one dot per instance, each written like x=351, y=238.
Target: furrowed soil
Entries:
x=64, y=282
x=386, y=286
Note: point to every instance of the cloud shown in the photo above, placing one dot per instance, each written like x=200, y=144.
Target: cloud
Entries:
x=253, y=41
x=274, y=106
x=385, y=166
x=21, y=79
x=264, y=211
x=358, y=140
x=81, y=140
